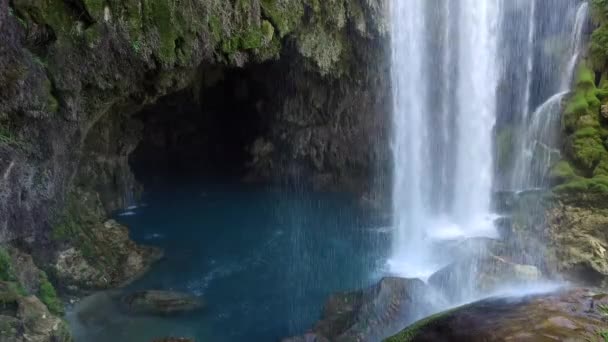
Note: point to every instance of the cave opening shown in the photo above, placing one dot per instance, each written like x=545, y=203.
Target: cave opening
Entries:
x=203, y=133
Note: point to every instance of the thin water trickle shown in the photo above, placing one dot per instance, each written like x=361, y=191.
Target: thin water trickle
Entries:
x=539, y=133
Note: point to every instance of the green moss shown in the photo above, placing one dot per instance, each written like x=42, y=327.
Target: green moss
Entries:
x=604, y=335
x=95, y=8
x=7, y=274
x=231, y=45
x=598, y=47
x=53, y=13
x=602, y=167
x=48, y=295
x=267, y=30
x=585, y=100
x=588, y=150
x=409, y=333
x=286, y=15
x=215, y=27
x=252, y=39
x=324, y=47
x=562, y=171
x=159, y=15
x=598, y=184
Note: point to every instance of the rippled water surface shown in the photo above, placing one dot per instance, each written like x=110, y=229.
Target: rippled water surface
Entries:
x=263, y=261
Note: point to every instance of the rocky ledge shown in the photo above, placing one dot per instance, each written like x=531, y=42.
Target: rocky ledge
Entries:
x=568, y=315
x=375, y=314
x=24, y=318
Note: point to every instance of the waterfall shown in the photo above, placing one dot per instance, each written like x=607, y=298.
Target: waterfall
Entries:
x=444, y=75
x=576, y=43
x=463, y=71
x=539, y=132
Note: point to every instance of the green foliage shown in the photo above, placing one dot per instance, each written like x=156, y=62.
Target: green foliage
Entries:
x=7, y=274
x=603, y=309
x=604, y=335
x=585, y=100
x=6, y=270
x=48, y=295
x=160, y=16
x=8, y=138
x=562, y=171
x=588, y=150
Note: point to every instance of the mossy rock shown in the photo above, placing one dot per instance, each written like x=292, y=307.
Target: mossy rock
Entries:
x=286, y=15
x=562, y=172
x=565, y=316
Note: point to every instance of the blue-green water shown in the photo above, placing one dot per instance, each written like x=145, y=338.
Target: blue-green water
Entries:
x=263, y=261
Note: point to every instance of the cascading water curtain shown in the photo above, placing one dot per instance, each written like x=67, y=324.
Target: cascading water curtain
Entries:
x=444, y=73
x=463, y=71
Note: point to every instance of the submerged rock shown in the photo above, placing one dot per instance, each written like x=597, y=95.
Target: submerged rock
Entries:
x=162, y=302
x=569, y=315
x=370, y=314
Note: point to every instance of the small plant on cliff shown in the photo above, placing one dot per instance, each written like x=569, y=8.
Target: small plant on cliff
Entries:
x=6, y=271
x=48, y=295
x=603, y=309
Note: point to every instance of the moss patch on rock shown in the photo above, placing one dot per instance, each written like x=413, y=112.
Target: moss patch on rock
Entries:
x=48, y=295
x=409, y=334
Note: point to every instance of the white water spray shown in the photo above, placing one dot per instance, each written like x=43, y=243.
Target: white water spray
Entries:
x=443, y=156
x=448, y=59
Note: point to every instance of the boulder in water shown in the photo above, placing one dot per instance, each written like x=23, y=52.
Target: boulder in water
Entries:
x=569, y=315
x=161, y=302
x=370, y=314
x=481, y=276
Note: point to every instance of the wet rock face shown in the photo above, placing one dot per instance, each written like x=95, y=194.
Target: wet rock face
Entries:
x=161, y=302
x=570, y=315
x=579, y=239
x=370, y=314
